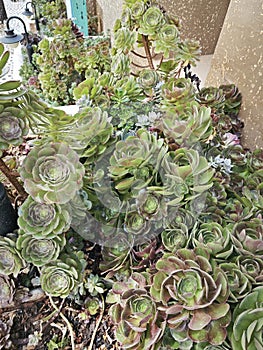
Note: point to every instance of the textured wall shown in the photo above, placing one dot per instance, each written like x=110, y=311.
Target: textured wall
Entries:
x=201, y=19
x=238, y=59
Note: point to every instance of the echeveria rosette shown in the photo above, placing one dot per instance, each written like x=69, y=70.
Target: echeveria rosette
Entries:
x=52, y=173
x=11, y=261
x=196, y=128
x=7, y=288
x=151, y=205
x=124, y=39
x=151, y=22
x=166, y=40
x=175, y=237
x=139, y=324
x=42, y=220
x=61, y=277
x=246, y=327
x=136, y=161
x=13, y=127
x=193, y=292
x=213, y=237
x=136, y=224
x=186, y=175
x=40, y=251
x=247, y=237
x=138, y=8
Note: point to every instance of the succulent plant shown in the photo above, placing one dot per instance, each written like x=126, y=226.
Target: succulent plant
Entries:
x=247, y=322
x=186, y=175
x=139, y=324
x=120, y=64
x=94, y=285
x=252, y=267
x=124, y=39
x=136, y=160
x=213, y=237
x=11, y=261
x=167, y=39
x=177, y=93
x=40, y=251
x=93, y=305
x=7, y=288
x=211, y=97
x=238, y=282
x=196, y=128
x=175, y=237
x=90, y=135
x=43, y=220
x=13, y=126
x=52, y=173
x=193, y=293
x=151, y=21
x=248, y=237
x=188, y=52
x=61, y=277
x=148, y=79
x=233, y=99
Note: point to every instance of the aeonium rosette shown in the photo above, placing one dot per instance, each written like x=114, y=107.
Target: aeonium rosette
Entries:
x=42, y=220
x=139, y=324
x=13, y=126
x=52, y=173
x=193, y=292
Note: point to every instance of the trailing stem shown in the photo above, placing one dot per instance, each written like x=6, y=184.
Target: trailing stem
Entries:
x=147, y=51
x=12, y=179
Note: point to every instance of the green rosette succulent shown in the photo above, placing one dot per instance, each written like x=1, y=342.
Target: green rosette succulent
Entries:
x=211, y=97
x=175, y=237
x=246, y=330
x=233, y=99
x=52, y=173
x=238, y=282
x=43, y=220
x=167, y=40
x=120, y=64
x=213, y=237
x=252, y=267
x=11, y=261
x=196, y=128
x=186, y=175
x=13, y=126
x=124, y=39
x=136, y=161
x=193, y=293
x=40, y=251
x=188, y=52
x=148, y=78
x=61, y=277
x=7, y=288
x=138, y=8
x=91, y=134
x=151, y=22
x=139, y=325
x=177, y=95
x=151, y=205
x=247, y=237
x=136, y=224
x=207, y=346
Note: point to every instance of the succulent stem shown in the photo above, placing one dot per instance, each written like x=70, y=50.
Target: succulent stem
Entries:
x=12, y=179
x=147, y=51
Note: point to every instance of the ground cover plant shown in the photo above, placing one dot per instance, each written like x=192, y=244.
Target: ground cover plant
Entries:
x=140, y=217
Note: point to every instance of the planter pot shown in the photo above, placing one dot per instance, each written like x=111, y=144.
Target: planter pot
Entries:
x=8, y=215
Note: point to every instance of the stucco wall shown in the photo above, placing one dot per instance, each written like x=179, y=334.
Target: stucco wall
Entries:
x=238, y=59
x=201, y=19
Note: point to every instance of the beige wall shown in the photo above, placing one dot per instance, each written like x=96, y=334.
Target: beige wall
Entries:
x=201, y=19
x=238, y=59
